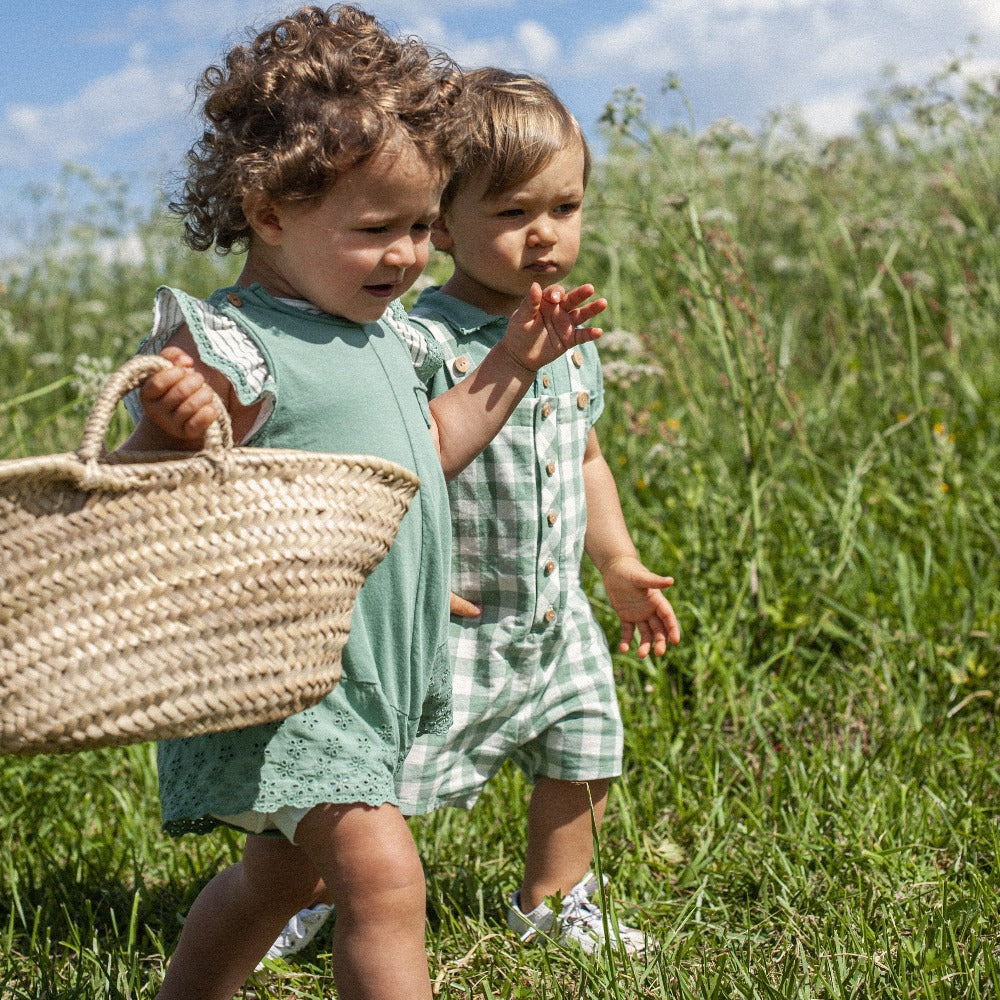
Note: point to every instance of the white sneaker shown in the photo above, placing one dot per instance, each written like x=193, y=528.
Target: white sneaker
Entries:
x=580, y=921
x=299, y=931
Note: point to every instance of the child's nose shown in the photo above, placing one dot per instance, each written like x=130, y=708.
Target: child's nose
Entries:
x=402, y=253
x=543, y=233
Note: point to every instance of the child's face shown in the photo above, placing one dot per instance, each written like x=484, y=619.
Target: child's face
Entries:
x=503, y=243
x=361, y=244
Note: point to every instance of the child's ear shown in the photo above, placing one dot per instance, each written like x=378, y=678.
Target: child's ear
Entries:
x=440, y=236
x=264, y=217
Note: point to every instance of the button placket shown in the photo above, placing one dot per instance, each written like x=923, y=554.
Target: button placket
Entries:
x=562, y=493
x=551, y=528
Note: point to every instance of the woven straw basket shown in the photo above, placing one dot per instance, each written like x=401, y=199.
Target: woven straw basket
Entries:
x=154, y=596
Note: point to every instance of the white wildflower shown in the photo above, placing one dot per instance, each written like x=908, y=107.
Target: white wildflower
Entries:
x=46, y=359
x=782, y=264
x=627, y=373
x=921, y=279
x=722, y=216
x=91, y=374
x=621, y=342
x=92, y=307
x=10, y=336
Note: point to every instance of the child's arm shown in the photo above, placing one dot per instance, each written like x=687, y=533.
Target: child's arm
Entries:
x=633, y=590
x=179, y=403
x=545, y=325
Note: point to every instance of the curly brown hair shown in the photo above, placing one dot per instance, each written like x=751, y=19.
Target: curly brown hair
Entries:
x=312, y=96
x=515, y=124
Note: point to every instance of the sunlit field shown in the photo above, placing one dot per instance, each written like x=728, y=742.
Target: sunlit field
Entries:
x=803, y=415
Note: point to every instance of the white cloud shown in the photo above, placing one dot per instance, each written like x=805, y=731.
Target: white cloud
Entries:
x=735, y=58
x=984, y=14
x=643, y=43
x=850, y=57
x=539, y=45
x=529, y=47
x=765, y=6
x=744, y=58
x=832, y=114
x=136, y=98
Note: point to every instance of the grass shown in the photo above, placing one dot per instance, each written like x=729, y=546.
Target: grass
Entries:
x=803, y=408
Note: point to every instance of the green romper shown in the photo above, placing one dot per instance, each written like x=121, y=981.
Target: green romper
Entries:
x=533, y=677
x=337, y=386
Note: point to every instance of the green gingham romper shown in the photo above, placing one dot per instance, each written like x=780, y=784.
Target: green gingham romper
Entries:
x=533, y=679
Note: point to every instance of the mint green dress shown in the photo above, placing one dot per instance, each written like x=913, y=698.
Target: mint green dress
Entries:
x=335, y=386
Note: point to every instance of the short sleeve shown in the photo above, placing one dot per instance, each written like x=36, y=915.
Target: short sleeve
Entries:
x=221, y=345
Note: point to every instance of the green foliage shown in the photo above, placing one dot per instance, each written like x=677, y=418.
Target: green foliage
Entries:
x=77, y=304
x=802, y=415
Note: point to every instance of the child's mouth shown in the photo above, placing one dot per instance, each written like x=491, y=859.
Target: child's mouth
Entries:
x=380, y=291
x=542, y=267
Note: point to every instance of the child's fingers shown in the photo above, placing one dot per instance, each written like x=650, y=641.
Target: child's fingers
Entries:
x=181, y=387
x=572, y=335
x=576, y=296
x=589, y=310
x=673, y=630
x=462, y=608
x=529, y=307
x=186, y=409
x=625, y=643
x=585, y=334
x=157, y=387
x=205, y=414
x=641, y=577
x=178, y=357
x=645, y=640
x=669, y=625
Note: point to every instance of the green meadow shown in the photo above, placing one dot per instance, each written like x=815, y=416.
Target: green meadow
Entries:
x=803, y=383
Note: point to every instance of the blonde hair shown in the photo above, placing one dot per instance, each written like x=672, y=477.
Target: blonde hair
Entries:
x=312, y=96
x=515, y=125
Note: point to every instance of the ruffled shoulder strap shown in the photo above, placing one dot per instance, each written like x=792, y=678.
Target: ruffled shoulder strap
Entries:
x=221, y=343
x=426, y=354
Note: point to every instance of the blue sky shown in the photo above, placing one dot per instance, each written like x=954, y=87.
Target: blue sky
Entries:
x=107, y=84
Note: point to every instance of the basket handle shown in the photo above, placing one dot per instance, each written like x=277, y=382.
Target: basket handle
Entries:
x=135, y=371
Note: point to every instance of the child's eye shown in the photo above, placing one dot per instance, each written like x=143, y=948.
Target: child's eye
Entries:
x=567, y=208
x=375, y=230
x=510, y=213
x=421, y=227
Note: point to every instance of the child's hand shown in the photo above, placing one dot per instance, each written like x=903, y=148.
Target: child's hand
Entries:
x=179, y=401
x=549, y=322
x=634, y=593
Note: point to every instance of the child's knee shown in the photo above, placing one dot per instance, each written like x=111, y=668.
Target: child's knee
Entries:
x=364, y=852
x=385, y=870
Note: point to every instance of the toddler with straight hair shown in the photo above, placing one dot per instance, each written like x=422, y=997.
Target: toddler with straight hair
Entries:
x=326, y=147
x=534, y=681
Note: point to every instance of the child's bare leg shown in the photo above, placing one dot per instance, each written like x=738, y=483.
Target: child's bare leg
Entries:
x=374, y=877
x=235, y=919
x=560, y=844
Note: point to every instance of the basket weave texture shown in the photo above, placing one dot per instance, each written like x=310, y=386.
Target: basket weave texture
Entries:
x=153, y=596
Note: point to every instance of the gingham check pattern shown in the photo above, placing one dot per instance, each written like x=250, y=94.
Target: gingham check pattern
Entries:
x=533, y=676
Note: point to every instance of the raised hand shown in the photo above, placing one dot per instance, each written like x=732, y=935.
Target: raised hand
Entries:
x=550, y=322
